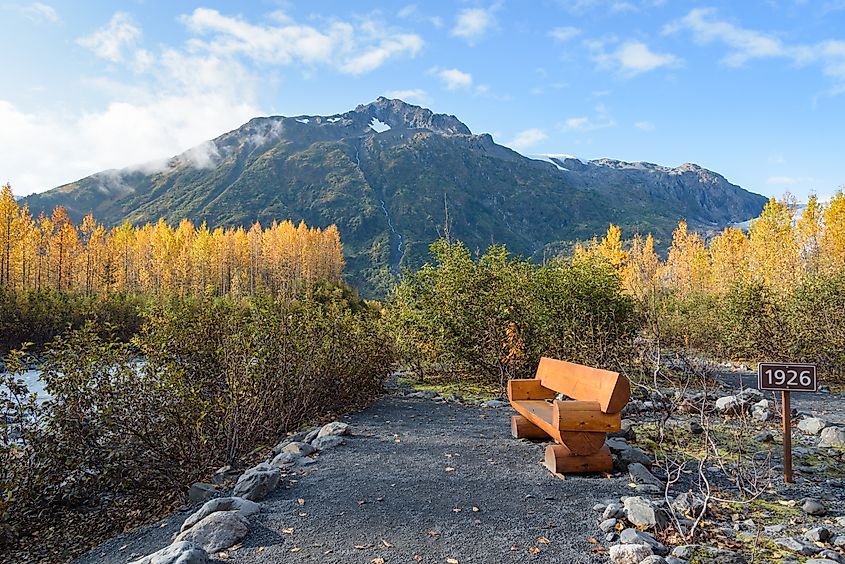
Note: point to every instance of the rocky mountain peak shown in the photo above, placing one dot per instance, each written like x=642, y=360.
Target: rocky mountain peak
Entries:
x=401, y=115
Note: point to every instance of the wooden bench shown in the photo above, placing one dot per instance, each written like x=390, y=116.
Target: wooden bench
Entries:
x=579, y=425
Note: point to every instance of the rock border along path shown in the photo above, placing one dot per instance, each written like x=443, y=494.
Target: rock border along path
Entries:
x=418, y=479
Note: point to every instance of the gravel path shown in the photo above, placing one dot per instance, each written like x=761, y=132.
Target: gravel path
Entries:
x=417, y=479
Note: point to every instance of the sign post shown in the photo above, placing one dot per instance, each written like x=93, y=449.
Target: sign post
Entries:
x=786, y=378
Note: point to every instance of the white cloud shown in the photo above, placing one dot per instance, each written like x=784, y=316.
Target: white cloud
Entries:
x=37, y=12
x=747, y=44
x=631, y=58
x=112, y=41
x=564, y=33
x=644, y=125
x=602, y=120
x=350, y=48
x=409, y=95
x=527, y=138
x=453, y=79
x=473, y=23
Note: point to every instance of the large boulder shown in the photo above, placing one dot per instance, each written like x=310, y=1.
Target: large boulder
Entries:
x=244, y=507
x=182, y=552
x=633, y=536
x=335, y=428
x=257, y=482
x=299, y=448
x=812, y=425
x=729, y=405
x=642, y=512
x=761, y=411
x=327, y=441
x=217, y=531
x=832, y=437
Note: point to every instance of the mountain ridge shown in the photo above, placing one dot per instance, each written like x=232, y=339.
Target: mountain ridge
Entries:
x=384, y=173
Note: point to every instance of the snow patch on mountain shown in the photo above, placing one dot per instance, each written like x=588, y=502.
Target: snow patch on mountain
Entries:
x=379, y=126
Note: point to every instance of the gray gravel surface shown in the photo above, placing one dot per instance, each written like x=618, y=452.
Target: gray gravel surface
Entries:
x=826, y=405
x=406, y=484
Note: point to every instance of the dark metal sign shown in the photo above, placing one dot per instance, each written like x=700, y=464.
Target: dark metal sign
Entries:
x=777, y=376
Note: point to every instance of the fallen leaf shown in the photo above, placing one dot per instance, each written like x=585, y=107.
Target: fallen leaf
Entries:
x=377, y=560
x=379, y=499
x=475, y=509
x=543, y=540
x=592, y=540
x=456, y=510
x=363, y=546
x=300, y=501
x=433, y=533
x=450, y=469
x=534, y=550
x=451, y=561
x=223, y=556
x=302, y=514
x=235, y=548
x=288, y=531
x=386, y=544
x=361, y=501
x=259, y=549
x=295, y=549
x=417, y=558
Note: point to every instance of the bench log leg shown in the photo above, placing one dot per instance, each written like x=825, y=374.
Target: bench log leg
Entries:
x=582, y=443
x=560, y=460
x=522, y=428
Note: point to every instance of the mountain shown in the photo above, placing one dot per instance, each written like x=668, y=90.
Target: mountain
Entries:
x=387, y=172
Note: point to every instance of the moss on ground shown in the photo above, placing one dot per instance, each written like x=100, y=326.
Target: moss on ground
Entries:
x=475, y=390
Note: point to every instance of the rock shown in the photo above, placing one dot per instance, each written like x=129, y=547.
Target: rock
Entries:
x=673, y=560
x=648, y=489
x=761, y=411
x=312, y=435
x=832, y=437
x=494, y=403
x=629, y=553
x=840, y=520
x=729, y=405
x=334, y=429
x=635, y=454
x=613, y=511
x=327, y=442
x=774, y=529
x=626, y=431
x=224, y=474
x=299, y=448
x=795, y=545
x=764, y=437
x=244, y=507
x=693, y=427
x=611, y=537
x=826, y=557
x=285, y=460
x=707, y=554
x=296, y=437
x=640, y=475
x=182, y=552
x=257, y=482
x=653, y=559
x=750, y=395
x=813, y=507
x=455, y=396
x=633, y=536
x=607, y=525
x=599, y=507
x=616, y=444
x=217, y=531
x=684, y=551
x=688, y=504
x=817, y=534
x=812, y=425
x=643, y=513
x=200, y=492
x=838, y=540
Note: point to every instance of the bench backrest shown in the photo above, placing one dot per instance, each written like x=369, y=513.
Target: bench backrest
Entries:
x=611, y=389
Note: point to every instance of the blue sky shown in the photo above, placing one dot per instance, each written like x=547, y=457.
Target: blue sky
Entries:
x=754, y=90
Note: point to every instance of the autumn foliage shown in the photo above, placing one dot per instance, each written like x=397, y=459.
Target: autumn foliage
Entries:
x=54, y=253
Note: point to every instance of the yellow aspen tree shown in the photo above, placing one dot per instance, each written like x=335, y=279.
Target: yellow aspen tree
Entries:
x=728, y=258
x=833, y=238
x=8, y=239
x=610, y=247
x=688, y=263
x=809, y=234
x=773, y=248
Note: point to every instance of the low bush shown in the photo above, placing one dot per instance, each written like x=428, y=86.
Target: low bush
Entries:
x=204, y=383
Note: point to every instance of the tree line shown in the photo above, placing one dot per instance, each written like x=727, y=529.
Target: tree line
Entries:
x=52, y=252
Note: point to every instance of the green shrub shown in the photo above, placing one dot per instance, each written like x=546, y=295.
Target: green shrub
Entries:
x=496, y=316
